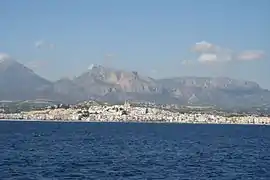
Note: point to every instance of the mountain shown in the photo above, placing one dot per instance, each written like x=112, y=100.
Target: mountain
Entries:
x=101, y=81
x=70, y=91
x=221, y=91
x=114, y=85
x=108, y=84
x=18, y=82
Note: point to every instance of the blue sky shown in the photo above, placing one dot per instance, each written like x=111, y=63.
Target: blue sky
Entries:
x=159, y=38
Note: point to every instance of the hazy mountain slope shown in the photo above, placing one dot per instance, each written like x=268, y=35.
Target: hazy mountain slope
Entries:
x=101, y=81
x=18, y=82
x=70, y=91
x=216, y=91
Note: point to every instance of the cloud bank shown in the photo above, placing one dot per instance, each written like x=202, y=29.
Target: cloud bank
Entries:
x=212, y=53
x=251, y=55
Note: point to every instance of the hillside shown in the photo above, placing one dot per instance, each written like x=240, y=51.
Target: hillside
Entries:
x=18, y=82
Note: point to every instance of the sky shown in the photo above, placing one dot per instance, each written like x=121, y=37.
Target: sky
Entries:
x=157, y=38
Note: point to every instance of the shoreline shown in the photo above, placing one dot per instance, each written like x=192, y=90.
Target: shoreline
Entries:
x=129, y=122
x=130, y=114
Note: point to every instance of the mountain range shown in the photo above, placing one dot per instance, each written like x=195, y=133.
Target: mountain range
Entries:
x=18, y=82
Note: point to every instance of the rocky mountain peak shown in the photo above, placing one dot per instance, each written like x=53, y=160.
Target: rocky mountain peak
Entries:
x=98, y=82
x=19, y=82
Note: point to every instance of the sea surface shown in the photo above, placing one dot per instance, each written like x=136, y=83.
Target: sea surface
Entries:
x=57, y=150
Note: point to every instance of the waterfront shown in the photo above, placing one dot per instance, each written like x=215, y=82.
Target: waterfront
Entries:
x=38, y=150
x=127, y=113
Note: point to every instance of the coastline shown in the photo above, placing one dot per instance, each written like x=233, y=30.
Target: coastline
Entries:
x=129, y=114
x=131, y=122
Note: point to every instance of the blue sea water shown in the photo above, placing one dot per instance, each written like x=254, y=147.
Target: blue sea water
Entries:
x=55, y=150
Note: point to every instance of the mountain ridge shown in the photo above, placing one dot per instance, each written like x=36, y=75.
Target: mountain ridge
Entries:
x=18, y=82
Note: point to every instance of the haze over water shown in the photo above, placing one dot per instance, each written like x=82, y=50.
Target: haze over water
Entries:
x=42, y=150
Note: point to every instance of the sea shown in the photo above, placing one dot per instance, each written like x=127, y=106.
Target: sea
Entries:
x=78, y=150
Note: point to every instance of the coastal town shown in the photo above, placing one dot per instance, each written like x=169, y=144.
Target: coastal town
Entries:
x=93, y=112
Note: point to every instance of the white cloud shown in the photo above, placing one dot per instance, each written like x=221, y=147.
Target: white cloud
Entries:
x=207, y=57
x=215, y=57
x=204, y=47
x=4, y=57
x=209, y=52
x=43, y=44
x=39, y=44
x=251, y=55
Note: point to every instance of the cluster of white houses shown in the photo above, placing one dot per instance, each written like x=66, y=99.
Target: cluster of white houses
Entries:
x=127, y=113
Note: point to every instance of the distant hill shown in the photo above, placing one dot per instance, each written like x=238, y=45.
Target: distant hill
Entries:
x=221, y=91
x=112, y=85
x=18, y=82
